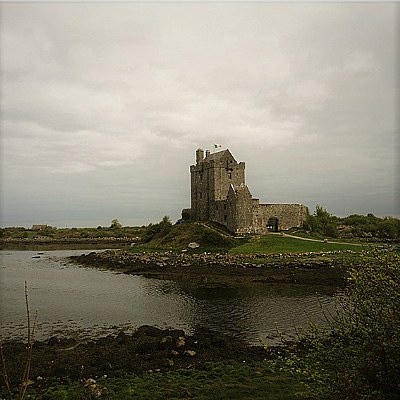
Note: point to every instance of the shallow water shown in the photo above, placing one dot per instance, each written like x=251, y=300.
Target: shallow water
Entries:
x=83, y=302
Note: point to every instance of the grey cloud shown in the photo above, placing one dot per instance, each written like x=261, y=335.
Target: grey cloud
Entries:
x=109, y=102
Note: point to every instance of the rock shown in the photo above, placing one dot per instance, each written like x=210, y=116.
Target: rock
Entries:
x=89, y=382
x=148, y=346
x=180, y=342
x=95, y=391
x=193, y=245
x=190, y=353
x=67, y=342
x=53, y=341
x=175, y=333
x=147, y=330
x=165, y=342
x=169, y=363
x=122, y=337
x=174, y=353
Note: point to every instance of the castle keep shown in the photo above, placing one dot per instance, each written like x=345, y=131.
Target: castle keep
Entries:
x=219, y=194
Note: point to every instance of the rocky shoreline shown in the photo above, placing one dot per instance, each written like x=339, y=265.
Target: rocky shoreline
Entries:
x=148, y=349
x=306, y=268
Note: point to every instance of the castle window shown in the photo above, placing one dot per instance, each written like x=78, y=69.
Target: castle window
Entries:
x=201, y=195
x=224, y=206
x=216, y=207
x=230, y=175
x=225, y=217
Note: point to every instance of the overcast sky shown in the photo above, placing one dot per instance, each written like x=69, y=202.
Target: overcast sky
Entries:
x=103, y=106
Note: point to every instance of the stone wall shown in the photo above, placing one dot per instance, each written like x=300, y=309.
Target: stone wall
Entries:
x=288, y=215
x=201, y=184
x=242, y=211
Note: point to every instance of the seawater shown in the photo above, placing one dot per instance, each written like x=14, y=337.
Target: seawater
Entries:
x=85, y=302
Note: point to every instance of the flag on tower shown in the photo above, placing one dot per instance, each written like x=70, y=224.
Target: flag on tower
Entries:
x=217, y=145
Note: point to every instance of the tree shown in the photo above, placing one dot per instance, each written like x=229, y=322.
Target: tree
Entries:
x=156, y=231
x=388, y=228
x=322, y=222
x=165, y=224
x=358, y=355
x=115, y=224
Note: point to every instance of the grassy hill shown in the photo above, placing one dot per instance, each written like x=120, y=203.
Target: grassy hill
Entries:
x=177, y=237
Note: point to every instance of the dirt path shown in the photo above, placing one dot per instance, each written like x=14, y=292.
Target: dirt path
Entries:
x=314, y=240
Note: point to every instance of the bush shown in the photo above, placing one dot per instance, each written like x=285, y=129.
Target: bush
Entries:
x=157, y=231
x=321, y=222
x=358, y=355
x=388, y=228
x=372, y=226
x=330, y=230
x=115, y=224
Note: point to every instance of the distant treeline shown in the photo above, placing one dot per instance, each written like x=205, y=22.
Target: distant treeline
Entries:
x=360, y=226
x=43, y=232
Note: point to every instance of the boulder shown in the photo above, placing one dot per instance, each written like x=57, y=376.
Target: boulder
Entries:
x=180, y=342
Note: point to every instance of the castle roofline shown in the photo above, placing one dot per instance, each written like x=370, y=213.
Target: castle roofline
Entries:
x=216, y=156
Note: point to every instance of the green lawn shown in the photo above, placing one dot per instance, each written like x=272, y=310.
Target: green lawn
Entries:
x=284, y=244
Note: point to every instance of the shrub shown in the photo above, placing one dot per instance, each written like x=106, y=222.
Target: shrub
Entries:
x=330, y=230
x=321, y=222
x=370, y=225
x=358, y=355
x=115, y=224
x=157, y=231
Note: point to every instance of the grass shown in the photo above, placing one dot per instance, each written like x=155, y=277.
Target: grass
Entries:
x=218, y=381
x=211, y=239
x=283, y=244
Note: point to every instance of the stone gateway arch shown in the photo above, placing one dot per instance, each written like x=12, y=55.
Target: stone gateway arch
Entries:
x=219, y=194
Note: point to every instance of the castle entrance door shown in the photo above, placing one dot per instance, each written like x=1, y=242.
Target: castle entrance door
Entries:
x=273, y=224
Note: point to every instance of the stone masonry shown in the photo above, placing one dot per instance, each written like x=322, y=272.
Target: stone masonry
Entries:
x=219, y=194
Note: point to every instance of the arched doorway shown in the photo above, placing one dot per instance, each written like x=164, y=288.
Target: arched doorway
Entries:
x=273, y=224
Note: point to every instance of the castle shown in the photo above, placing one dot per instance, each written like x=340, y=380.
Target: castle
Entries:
x=219, y=194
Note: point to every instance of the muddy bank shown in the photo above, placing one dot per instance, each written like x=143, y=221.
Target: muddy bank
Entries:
x=315, y=269
x=147, y=349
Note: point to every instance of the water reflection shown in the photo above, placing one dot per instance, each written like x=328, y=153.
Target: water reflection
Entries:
x=88, y=301
x=250, y=312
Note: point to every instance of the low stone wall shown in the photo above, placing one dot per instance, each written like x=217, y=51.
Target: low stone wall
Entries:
x=287, y=215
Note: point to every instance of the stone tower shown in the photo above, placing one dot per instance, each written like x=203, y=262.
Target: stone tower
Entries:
x=211, y=178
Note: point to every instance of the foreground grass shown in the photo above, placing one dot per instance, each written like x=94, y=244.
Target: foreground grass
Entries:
x=283, y=244
x=258, y=380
